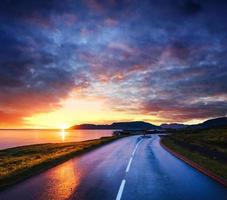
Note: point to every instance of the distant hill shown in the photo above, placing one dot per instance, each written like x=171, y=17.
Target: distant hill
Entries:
x=140, y=125
x=173, y=126
x=135, y=125
x=211, y=123
x=217, y=122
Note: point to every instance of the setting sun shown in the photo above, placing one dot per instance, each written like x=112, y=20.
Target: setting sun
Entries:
x=63, y=126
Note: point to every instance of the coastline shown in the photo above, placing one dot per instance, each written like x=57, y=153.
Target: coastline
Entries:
x=21, y=174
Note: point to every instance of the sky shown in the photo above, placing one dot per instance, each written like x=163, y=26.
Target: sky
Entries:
x=101, y=61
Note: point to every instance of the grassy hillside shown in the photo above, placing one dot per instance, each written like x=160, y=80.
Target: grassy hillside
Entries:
x=206, y=147
x=19, y=163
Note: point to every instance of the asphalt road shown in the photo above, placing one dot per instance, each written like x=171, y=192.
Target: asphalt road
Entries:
x=132, y=168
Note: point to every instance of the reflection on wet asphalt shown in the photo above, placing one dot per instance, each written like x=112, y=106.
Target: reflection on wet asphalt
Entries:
x=148, y=170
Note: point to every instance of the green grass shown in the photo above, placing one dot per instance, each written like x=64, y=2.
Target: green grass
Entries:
x=17, y=164
x=211, y=140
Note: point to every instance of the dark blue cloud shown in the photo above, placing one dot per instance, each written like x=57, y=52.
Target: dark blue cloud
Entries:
x=165, y=56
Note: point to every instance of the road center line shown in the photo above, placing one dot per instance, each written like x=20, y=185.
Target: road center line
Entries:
x=134, y=151
x=129, y=164
x=120, y=191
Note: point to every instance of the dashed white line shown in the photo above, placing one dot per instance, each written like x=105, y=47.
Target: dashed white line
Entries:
x=120, y=191
x=134, y=151
x=129, y=164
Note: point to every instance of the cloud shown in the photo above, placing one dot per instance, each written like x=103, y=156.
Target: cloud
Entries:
x=161, y=59
x=7, y=119
x=173, y=110
x=191, y=7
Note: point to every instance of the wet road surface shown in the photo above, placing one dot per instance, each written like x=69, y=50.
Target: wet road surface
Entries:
x=130, y=168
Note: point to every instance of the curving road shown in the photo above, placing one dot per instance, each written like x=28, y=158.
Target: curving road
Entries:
x=130, y=168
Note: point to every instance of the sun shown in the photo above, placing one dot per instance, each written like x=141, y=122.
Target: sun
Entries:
x=63, y=126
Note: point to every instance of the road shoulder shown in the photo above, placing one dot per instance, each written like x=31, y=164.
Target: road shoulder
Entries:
x=193, y=164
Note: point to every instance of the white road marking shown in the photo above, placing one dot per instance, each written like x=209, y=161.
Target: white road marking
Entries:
x=134, y=151
x=120, y=191
x=129, y=164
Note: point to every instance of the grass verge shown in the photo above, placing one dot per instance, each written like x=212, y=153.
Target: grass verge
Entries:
x=203, y=148
x=19, y=163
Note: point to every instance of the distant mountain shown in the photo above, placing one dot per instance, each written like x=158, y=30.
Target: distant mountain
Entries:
x=217, y=122
x=135, y=125
x=211, y=123
x=140, y=125
x=173, y=126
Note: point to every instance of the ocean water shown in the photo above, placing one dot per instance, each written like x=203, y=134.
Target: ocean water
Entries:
x=14, y=138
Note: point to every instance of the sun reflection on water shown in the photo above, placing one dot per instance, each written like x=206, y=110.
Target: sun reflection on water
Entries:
x=63, y=134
